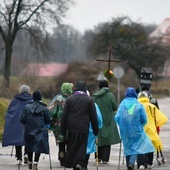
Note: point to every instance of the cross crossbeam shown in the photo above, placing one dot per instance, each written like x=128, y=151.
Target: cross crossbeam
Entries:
x=109, y=60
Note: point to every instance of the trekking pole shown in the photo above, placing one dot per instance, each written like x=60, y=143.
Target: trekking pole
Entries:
x=163, y=160
x=123, y=160
x=22, y=139
x=49, y=152
x=157, y=158
x=97, y=160
x=12, y=151
x=119, y=155
x=50, y=160
x=19, y=166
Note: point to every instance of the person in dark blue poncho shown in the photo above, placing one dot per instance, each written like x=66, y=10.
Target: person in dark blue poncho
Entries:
x=13, y=129
x=131, y=118
x=35, y=117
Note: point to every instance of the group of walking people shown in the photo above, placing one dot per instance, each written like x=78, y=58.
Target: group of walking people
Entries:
x=25, y=125
x=139, y=121
x=72, y=111
x=78, y=121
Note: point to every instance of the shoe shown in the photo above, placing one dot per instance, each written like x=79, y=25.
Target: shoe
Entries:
x=19, y=162
x=35, y=166
x=62, y=163
x=29, y=165
x=130, y=167
x=150, y=166
x=79, y=167
x=105, y=162
x=25, y=159
x=142, y=167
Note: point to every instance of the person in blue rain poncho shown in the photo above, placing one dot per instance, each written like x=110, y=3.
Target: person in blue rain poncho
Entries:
x=131, y=118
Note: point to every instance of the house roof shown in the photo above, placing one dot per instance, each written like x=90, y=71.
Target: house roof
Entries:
x=162, y=31
x=44, y=70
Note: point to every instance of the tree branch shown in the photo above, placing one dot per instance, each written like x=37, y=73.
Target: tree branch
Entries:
x=33, y=12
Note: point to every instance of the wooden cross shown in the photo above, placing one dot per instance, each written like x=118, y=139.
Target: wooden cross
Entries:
x=109, y=60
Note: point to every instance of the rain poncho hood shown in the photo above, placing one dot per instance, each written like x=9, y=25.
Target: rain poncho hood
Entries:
x=131, y=96
x=66, y=88
x=131, y=92
x=101, y=91
x=131, y=118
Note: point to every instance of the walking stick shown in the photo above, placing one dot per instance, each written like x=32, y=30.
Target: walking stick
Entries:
x=49, y=141
x=22, y=139
x=49, y=152
x=163, y=160
x=119, y=155
x=12, y=151
x=50, y=160
x=19, y=166
x=97, y=160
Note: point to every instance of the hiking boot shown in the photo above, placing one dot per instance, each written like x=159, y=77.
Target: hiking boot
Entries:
x=35, y=166
x=78, y=167
x=150, y=166
x=29, y=165
x=105, y=162
x=130, y=167
x=142, y=167
x=25, y=159
x=19, y=162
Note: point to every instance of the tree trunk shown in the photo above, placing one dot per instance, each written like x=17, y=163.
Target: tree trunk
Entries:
x=7, y=66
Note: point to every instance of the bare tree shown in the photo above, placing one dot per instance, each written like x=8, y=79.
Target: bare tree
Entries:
x=24, y=14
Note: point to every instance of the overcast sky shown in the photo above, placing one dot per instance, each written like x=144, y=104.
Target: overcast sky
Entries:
x=86, y=14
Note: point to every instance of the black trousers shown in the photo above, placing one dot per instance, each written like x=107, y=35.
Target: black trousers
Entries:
x=76, y=150
x=18, y=150
x=145, y=159
x=104, y=153
x=36, y=157
x=87, y=160
x=62, y=152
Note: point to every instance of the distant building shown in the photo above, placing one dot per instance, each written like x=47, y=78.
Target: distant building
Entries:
x=162, y=34
x=44, y=70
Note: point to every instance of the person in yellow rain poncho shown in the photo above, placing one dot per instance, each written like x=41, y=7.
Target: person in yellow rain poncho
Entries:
x=155, y=120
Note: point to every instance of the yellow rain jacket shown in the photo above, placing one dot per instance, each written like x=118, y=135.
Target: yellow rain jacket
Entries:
x=155, y=118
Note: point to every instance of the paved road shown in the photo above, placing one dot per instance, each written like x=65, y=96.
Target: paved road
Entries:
x=9, y=163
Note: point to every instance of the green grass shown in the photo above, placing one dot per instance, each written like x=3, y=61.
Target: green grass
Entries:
x=3, y=107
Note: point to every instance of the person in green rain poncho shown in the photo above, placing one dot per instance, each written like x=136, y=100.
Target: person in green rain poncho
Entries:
x=108, y=134
x=56, y=111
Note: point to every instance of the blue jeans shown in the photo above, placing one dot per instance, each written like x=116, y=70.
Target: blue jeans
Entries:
x=130, y=159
